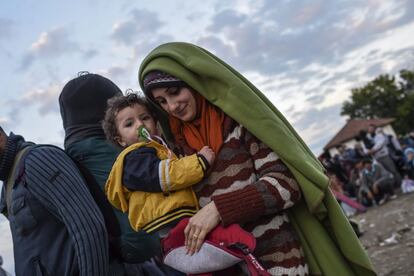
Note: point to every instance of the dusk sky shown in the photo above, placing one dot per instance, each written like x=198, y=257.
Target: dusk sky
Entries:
x=305, y=56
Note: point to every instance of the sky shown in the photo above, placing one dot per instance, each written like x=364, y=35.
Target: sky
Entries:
x=305, y=56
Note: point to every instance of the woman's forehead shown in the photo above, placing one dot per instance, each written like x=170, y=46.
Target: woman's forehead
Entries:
x=162, y=91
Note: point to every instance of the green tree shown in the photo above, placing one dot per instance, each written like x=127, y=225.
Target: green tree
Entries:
x=384, y=97
x=407, y=80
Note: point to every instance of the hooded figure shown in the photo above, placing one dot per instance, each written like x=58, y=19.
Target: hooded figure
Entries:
x=329, y=243
x=82, y=104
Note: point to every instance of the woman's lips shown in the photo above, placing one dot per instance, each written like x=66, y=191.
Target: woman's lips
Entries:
x=181, y=112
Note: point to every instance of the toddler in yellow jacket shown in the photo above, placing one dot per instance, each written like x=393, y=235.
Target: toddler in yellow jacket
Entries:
x=147, y=180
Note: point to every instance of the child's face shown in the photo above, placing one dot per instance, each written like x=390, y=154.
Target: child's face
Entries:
x=129, y=119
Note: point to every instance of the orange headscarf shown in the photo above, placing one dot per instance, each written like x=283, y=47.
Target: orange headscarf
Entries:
x=204, y=130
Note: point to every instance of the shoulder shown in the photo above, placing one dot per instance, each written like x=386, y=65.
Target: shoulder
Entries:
x=139, y=152
x=232, y=129
x=46, y=151
x=140, y=156
x=46, y=148
x=48, y=156
x=49, y=167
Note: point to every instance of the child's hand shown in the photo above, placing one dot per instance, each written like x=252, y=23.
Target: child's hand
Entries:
x=208, y=153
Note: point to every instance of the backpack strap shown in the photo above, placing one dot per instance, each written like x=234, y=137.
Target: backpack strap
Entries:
x=13, y=176
x=111, y=222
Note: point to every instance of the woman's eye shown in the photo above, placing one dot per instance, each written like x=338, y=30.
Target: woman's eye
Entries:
x=174, y=91
x=128, y=124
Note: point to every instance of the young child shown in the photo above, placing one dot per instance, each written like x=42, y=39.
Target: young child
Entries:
x=147, y=180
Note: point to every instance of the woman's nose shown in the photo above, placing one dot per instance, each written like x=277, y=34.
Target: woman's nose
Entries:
x=172, y=106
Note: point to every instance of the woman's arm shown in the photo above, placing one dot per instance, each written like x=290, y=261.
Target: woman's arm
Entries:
x=274, y=190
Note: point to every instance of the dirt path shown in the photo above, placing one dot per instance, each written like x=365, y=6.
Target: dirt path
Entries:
x=389, y=236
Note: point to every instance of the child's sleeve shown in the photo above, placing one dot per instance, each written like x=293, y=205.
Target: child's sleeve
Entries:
x=144, y=171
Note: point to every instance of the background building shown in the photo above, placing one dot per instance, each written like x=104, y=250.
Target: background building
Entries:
x=348, y=134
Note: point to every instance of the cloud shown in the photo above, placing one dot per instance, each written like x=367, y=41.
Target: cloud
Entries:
x=5, y=123
x=51, y=44
x=6, y=28
x=195, y=16
x=288, y=35
x=144, y=46
x=45, y=100
x=217, y=46
x=119, y=74
x=125, y=74
x=140, y=23
x=311, y=98
x=318, y=125
x=89, y=54
x=117, y=71
x=314, y=100
x=225, y=19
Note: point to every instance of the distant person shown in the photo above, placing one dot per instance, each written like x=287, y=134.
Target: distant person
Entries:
x=409, y=162
x=395, y=152
x=381, y=153
x=378, y=180
x=409, y=139
x=359, y=152
x=346, y=155
x=366, y=140
x=339, y=168
x=365, y=193
x=56, y=226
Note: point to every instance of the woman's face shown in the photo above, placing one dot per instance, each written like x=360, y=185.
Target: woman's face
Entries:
x=176, y=101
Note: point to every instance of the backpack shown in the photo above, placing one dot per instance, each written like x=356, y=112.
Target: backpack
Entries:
x=15, y=173
x=124, y=246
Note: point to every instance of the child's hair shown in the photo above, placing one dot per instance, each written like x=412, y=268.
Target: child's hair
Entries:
x=114, y=106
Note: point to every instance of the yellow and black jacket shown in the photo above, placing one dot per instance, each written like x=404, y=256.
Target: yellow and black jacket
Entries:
x=153, y=185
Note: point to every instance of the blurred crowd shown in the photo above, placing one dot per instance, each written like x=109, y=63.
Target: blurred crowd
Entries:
x=370, y=173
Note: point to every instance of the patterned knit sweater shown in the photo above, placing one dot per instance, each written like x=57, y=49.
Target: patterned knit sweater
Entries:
x=251, y=186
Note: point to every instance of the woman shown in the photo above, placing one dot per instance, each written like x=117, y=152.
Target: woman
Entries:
x=260, y=168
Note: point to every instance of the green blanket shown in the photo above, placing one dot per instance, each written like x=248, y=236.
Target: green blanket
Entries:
x=331, y=247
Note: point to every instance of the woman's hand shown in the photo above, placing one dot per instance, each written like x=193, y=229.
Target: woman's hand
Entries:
x=199, y=226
